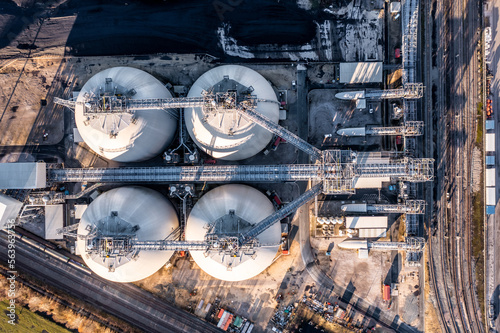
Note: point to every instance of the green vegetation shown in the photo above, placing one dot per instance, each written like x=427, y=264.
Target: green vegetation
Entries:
x=28, y=321
x=478, y=243
x=479, y=134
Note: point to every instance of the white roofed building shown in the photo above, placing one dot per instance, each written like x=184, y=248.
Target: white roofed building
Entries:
x=360, y=72
x=23, y=175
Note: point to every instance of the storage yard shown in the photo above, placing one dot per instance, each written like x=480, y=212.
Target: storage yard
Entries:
x=223, y=186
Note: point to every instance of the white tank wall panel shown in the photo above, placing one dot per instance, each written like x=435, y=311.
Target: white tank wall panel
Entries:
x=141, y=206
x=9, y=209
x=153, y=130
x=248, y=138
x=491, y=177
x=360, y=72
x=353, y=244
x=23, y=175
x=248, y=204
x=366, y=222
x=491, y=197
x=359, y=208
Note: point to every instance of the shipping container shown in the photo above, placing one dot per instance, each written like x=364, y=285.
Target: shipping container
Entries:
x=387, y=293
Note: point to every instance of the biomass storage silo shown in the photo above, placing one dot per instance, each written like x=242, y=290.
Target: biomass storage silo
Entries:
x=118, y=217
x=233, y=209
x=227, y=135
x=125, y=137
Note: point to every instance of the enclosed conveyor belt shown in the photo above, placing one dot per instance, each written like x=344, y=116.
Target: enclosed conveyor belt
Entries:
x=280, y=214
x=260, y=119
x=219, y=173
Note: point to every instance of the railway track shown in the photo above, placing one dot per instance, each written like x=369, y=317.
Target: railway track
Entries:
x=124, y=301
x=437, y=271
x=463, y=89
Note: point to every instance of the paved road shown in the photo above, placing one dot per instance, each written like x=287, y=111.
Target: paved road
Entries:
x=125, y=301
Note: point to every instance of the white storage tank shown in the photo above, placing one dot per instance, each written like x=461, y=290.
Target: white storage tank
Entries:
x=139, y=211
x=227, y=135
x=234, y=208
x=125, y=137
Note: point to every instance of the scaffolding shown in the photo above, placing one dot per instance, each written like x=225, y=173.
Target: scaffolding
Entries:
x=411, y=244
x=410, y=128
x=411, y=225
x=409, y=207
x=410, y=90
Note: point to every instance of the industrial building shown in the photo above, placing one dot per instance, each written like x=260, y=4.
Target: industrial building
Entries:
x=232, y=232
x=23, y=175
x=360, y=72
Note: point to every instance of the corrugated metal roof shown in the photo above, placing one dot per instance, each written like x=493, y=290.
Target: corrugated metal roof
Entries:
x=23, y=175
x=491, y=196
x=360, y=72
x=363, y=253
x=79, y=210
x=490, y=141
x=366, y=222
x=372, y=233
x=9, y=209
x=54, y=219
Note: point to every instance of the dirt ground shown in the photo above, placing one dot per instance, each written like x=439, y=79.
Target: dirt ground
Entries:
x=253, y=298
x=327, y=114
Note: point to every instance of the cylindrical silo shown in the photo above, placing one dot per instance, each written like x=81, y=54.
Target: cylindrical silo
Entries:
x=227, y=135
x=138, y=212
x=235, y=209
x=125, y=137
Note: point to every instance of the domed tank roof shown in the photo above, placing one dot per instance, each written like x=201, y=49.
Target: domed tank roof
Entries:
x=126, y=137
x=138, y=211
x=234, y=208
x=229, y=136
